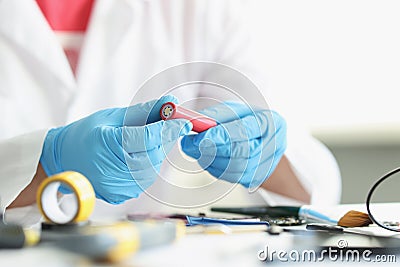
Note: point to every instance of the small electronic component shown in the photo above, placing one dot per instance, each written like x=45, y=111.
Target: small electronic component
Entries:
x=200, y=122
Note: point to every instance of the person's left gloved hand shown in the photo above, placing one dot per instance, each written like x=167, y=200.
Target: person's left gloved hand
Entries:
x=120, y=150
x=245, y=146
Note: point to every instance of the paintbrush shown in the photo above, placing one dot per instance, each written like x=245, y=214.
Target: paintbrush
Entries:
x=350, y=219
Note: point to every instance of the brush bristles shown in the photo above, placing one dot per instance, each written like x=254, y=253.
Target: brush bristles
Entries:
x=354, y=218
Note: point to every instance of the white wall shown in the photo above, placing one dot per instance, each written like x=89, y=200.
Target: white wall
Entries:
x=338, y=61
x=335, y=65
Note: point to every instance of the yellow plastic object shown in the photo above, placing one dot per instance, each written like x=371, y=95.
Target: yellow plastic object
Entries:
x=80, y=186
x=127, y=238
x=32, y=237
x=180, y=229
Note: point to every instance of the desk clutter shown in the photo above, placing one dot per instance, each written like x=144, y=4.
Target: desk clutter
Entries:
x=72, y=230
x=116, y=241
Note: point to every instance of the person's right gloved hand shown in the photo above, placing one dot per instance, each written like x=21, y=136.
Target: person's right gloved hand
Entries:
x=120, y=161
x=245, y=147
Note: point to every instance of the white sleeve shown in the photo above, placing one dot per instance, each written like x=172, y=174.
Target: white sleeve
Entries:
x=237, y=46
x=19, y=157
x=314, y=165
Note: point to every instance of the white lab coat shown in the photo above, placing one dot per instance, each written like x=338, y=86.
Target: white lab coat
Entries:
x=127, y=41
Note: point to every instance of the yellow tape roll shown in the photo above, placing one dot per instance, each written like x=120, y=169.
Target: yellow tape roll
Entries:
x=47, y=198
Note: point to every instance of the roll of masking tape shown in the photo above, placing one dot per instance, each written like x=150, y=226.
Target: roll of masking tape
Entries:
x=49, y=202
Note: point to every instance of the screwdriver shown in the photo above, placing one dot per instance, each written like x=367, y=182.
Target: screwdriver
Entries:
x=115, y=241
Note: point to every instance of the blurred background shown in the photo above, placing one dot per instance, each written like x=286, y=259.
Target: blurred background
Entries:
x=335, y=65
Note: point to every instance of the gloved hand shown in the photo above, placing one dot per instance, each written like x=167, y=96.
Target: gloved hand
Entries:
x=120, y=161
x=244, y=147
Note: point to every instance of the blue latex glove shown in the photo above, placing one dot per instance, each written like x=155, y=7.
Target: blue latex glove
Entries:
x=120, y=161
x=244, y=147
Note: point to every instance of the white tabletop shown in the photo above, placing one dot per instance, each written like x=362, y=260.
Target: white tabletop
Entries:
x=239, y=249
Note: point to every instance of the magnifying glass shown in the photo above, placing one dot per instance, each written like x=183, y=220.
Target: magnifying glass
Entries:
x=382, y=206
